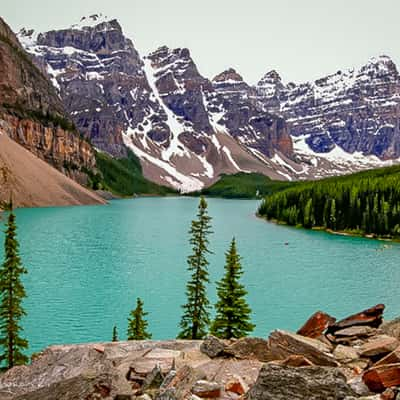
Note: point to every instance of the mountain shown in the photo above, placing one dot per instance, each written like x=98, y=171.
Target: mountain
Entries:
x=33, y=115
x=349, y=119
x=188, y=130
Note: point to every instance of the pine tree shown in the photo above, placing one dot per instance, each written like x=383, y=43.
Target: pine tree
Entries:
x=196, y=315
x=137, y=325
x=12, y=293
x=232, y=318
x=115, y=334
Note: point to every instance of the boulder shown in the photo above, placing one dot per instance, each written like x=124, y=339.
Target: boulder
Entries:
x=358, y=386
x=283, y=344
x=316, y=325
x=213, y=347
x=392, y=328
x=249, y=348
x=391, y=358
x=371, y=317
x=356, y=332
x=379, y=345
x=380, y=378
x=206, y=389
x=307, y=383
x=345, y=354
x=79, y=387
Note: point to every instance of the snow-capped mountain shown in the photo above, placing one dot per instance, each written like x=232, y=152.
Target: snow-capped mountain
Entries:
x=350, y=118
x=187, y=129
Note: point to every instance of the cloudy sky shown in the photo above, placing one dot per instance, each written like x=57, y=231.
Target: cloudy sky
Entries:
x=301, y=39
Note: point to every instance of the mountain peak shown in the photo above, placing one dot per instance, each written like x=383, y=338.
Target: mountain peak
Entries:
x=228, y=75
x=87, y=22
x=379, y=66
x=271, y=77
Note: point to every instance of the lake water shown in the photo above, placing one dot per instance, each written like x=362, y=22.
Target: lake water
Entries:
x=88, y=264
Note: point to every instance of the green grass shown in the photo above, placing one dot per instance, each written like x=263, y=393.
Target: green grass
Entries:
x=245, y=186
x=124, y=177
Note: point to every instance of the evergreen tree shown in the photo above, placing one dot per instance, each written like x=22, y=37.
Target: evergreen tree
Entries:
x=12, y=293
x=232, y=318
x=196, y=315
x=115, y=334
x=137, y=325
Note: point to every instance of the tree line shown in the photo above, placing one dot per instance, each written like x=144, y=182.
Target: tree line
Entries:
x=232, y=312
x=362, y=203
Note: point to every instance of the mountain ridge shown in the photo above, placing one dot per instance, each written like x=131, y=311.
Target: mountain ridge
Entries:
x=187, y=129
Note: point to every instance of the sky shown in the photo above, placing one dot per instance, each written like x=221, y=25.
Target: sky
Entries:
x=301, y=39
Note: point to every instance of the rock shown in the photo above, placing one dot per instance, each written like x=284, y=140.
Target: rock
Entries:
x=154, y=380
x=371, y=317
x=392, y=328
x=388, y=394
x=296, y=360
x=213, y=347
x=283, y=344
x=378, y=346
x=345, y=354
x=236, y=385
x=391, y=358
x=308, y=383
x=356, y=331
x=380, y=378
x=359, y=365
x=143, y=397
x=358, y=386
x=249, y=348
x=79, y=387
x=181, y=384
x=206, y=389
x=316, y=325
x=99, y=348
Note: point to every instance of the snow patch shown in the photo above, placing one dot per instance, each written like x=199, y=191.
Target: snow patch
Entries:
x=179, y=181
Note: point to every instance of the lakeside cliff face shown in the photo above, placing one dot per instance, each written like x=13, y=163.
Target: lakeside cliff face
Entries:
x=33, y=115
x=354, y=358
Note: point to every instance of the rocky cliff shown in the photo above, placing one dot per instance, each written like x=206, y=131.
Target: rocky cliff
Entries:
x=354, y=358
x=32, y=114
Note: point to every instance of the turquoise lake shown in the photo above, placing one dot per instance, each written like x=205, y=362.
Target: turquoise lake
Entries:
x=88, y=264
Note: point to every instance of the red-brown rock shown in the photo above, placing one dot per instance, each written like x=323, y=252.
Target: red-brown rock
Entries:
x=316, y=325
x=380, y=378
x=370, y=317
x=391, y=358
x=236, y=385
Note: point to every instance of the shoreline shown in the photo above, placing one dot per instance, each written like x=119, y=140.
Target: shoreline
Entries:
x=333, y=232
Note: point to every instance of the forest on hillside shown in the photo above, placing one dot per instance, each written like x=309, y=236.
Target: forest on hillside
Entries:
x=362, y=203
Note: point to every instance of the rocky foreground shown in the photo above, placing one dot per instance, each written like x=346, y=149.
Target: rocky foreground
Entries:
x=355, y=358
